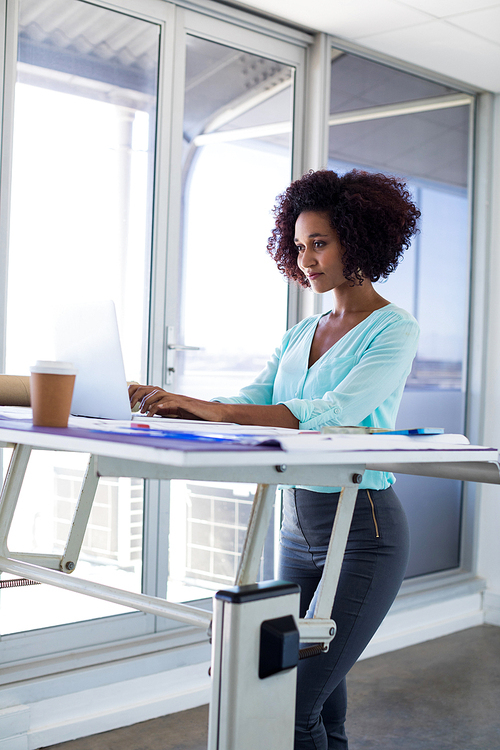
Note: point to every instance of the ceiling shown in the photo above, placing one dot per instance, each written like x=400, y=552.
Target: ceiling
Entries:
x=457, y=38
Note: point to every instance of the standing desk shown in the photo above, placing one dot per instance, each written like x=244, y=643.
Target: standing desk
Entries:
x=255, y=629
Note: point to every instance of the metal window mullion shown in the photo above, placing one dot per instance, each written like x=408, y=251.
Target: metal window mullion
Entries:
x=162, y=220
x=164, y=288
x=296, y=295
x=481, y=188
x=9, y=60
x=468, y=491
x=155, y=532
x=481, y=206
x=155, y=509
x=317, y=105
x=314, y=154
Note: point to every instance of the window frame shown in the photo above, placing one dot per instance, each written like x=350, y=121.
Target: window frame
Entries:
x=165, y=294
x=138, y=632
x=479, y=164
x=84, y=634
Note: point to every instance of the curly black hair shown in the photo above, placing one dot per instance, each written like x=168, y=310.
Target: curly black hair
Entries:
x=373, y=215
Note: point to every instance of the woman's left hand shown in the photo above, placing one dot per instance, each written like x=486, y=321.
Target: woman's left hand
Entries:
x=155, y=400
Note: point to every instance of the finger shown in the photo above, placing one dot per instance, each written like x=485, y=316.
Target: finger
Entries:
x=151, y=410
x=148, y=399
x=161, y=409
x=137, y=392
x=152, y=398
x=132, y=390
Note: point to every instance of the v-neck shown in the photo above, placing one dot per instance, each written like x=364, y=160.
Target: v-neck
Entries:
x=314, y=328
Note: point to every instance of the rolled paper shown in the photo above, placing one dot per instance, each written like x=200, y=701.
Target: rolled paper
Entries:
x=15, y=390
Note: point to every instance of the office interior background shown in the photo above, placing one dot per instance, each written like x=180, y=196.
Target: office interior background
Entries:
x=143, y=145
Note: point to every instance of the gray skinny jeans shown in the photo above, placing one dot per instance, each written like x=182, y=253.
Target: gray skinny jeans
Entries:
x=372, y=571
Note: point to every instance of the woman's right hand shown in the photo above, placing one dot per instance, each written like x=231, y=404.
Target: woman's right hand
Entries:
x=145, y=395
x=154, y=400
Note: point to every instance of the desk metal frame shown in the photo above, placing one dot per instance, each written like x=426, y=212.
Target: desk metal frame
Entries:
x=111, y=458
x=53, y=569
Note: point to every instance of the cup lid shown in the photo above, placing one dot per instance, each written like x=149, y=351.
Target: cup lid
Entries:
x=53, y=367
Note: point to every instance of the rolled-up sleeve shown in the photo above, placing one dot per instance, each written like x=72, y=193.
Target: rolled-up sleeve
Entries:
x=379, y=374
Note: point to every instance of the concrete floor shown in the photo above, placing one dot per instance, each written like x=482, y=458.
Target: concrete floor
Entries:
x=439, y=695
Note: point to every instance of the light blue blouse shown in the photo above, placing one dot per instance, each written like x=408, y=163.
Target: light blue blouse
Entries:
x=358, y=381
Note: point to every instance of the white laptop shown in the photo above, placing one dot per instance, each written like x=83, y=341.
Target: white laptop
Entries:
x=87, y=335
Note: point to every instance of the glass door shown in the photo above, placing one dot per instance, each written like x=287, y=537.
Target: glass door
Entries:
x=232, y=302
x=237, y=157
x=81, y=195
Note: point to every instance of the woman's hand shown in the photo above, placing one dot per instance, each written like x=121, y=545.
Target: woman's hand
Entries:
x=155, y=400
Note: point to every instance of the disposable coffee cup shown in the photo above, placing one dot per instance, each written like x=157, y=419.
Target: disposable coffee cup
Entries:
x=51, y=386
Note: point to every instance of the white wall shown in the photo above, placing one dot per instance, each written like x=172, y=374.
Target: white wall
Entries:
x=76, y=694
x=488, y=561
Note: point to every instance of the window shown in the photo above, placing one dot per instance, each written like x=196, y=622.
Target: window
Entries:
x=237, y=157
x=114, y=115
x=387, y=120
x=142, y=139
x=82, y=171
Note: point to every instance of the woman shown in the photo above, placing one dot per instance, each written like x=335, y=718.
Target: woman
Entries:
x=346, y=367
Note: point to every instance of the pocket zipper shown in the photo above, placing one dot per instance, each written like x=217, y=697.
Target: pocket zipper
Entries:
x=373, y=514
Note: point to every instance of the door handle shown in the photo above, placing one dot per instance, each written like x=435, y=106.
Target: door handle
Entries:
x=183, y=348
x=171, y=348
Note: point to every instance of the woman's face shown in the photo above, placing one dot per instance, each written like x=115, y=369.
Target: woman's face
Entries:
x=319, y=251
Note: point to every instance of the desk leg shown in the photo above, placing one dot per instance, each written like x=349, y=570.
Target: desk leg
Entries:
x=336, y=549
x=10, y=492
x=258, y=525
x=254, y=678
x=80, y=518
x=8, y=502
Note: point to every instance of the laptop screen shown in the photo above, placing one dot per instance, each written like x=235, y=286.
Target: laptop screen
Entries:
x=87, y=335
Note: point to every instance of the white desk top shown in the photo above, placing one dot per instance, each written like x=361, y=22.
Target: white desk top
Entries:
x=304, y=448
